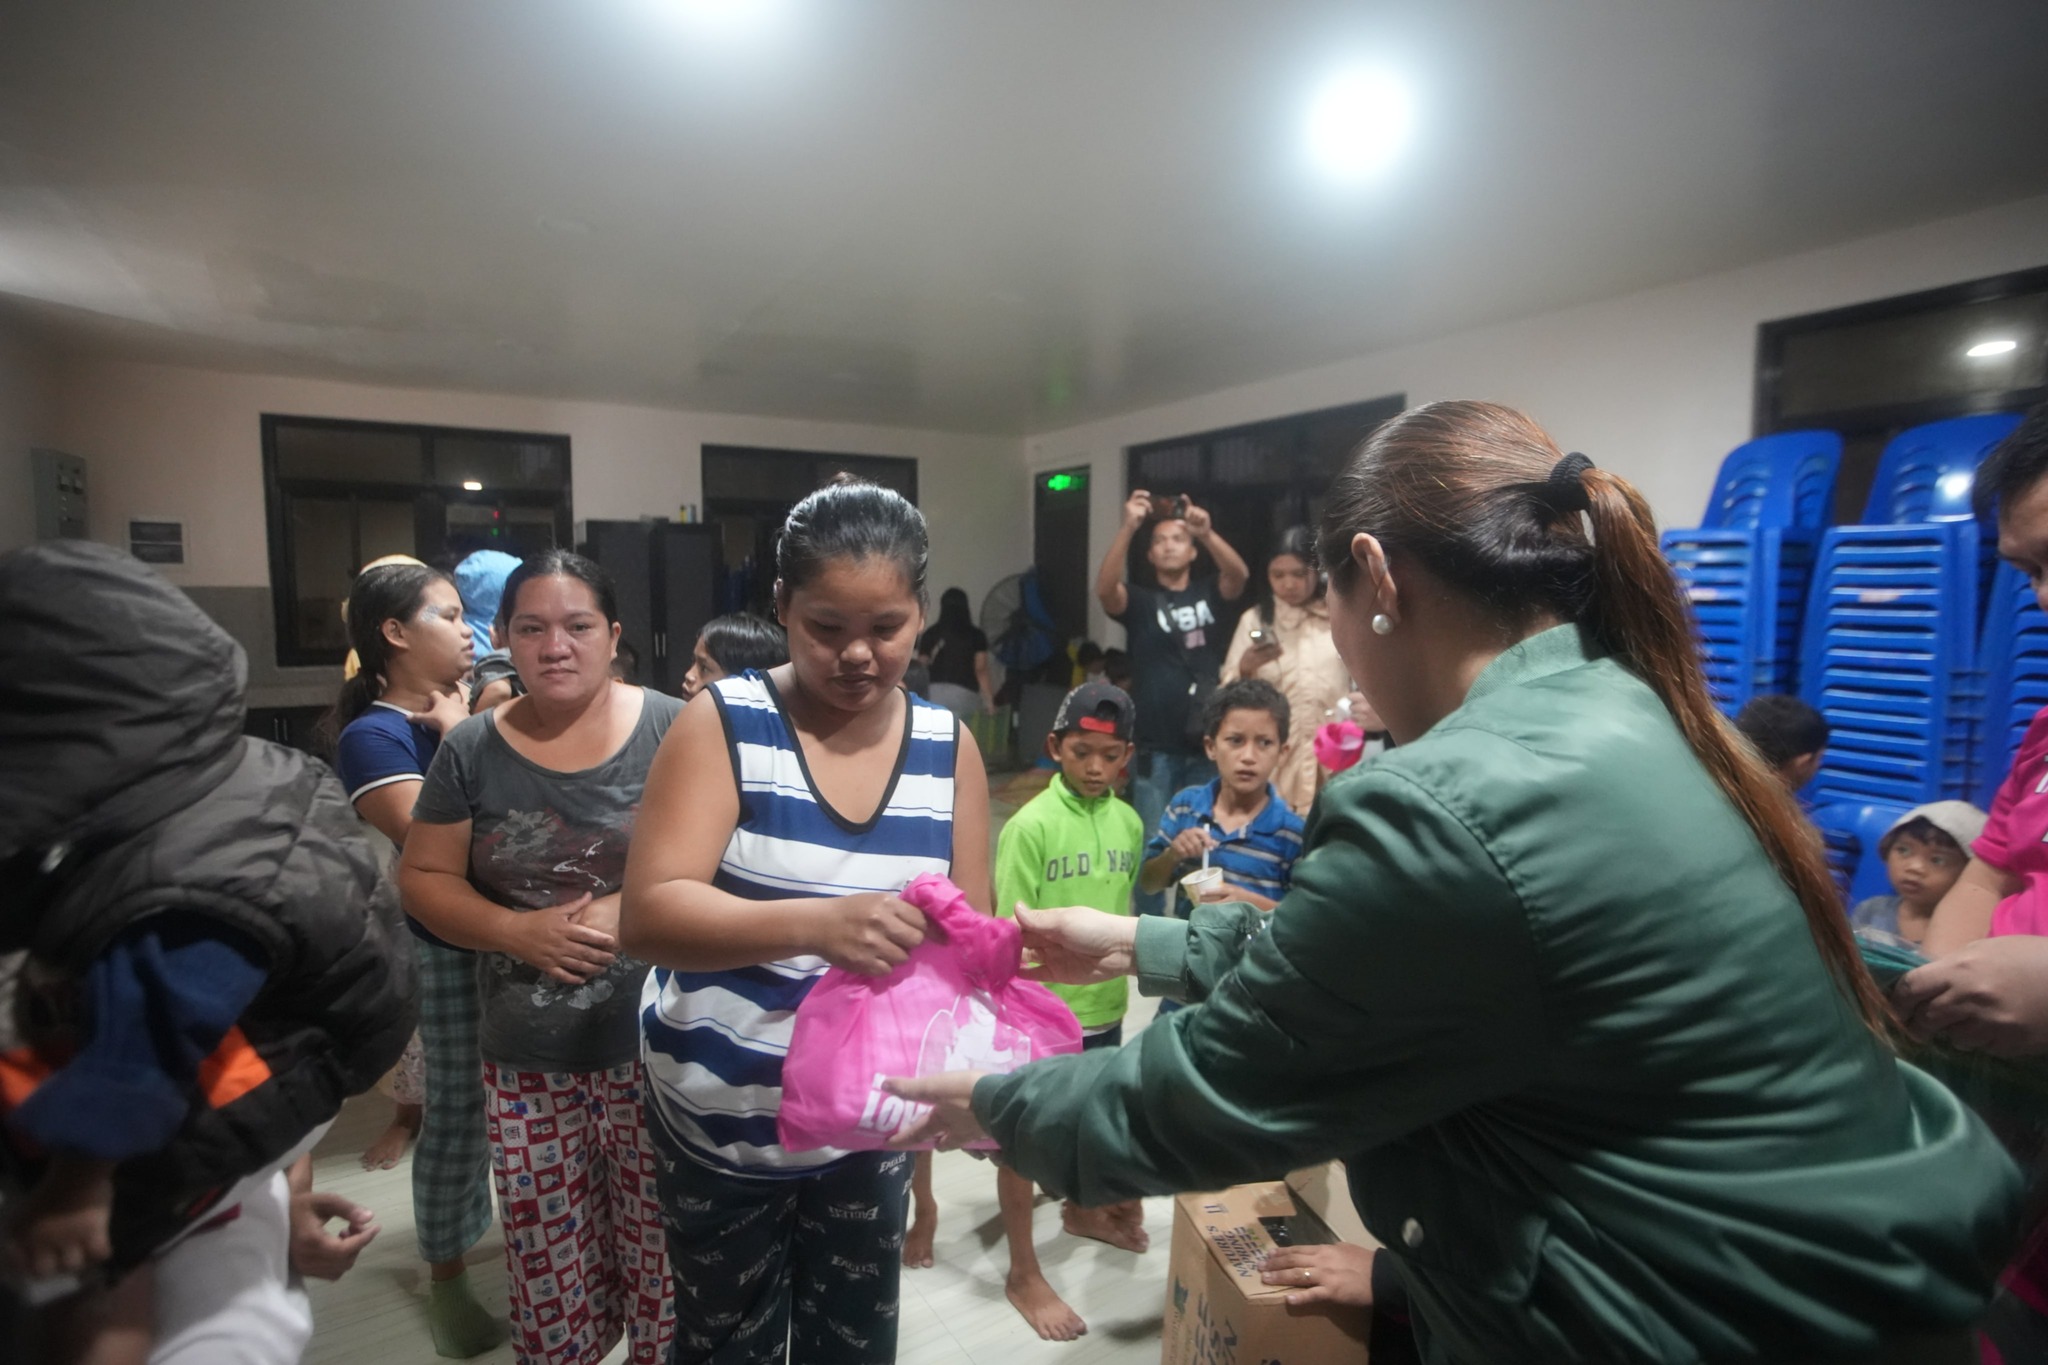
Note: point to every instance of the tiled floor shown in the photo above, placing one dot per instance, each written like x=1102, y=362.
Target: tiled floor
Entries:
x=953, y=1313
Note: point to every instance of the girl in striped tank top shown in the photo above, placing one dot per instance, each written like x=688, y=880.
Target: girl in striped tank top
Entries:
x=782, y=816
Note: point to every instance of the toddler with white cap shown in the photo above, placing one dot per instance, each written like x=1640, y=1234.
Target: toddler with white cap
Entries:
x=1924, y=851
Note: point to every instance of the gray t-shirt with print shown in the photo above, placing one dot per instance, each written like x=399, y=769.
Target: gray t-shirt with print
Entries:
x=539, y=838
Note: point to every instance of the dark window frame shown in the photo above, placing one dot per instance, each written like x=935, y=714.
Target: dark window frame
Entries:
x=1772, y=336
x=739, y=594
x=429, y=501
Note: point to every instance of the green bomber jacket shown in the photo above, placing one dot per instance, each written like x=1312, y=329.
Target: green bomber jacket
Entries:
x=1538, y=984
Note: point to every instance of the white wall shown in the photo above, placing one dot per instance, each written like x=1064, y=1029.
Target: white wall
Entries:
x=28, y=413
x=187, y=444
x=1656, y=384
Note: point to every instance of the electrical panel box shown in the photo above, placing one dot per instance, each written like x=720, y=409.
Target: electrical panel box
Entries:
x=60, y=495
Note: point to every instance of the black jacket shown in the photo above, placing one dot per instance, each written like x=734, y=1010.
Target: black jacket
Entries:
x=127, y=789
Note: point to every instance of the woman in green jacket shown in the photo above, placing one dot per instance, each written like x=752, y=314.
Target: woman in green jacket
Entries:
x=1562, y=977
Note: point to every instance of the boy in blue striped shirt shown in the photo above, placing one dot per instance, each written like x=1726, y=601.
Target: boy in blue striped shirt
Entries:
x=1238, y=819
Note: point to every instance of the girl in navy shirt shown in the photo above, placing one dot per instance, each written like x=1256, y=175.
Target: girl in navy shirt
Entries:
x=406, y=625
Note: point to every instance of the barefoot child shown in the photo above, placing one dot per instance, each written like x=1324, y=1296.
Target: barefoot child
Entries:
x=783, y=814
x=1074, y=843
x=408, y=628
x=1242, y=823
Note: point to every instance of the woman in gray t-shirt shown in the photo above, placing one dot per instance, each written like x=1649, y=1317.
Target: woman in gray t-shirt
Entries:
x=518, y=848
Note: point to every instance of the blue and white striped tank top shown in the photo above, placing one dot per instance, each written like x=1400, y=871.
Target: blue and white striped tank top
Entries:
x=713, y=1042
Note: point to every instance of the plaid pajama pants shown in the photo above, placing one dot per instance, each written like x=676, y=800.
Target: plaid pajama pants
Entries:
x=585, y=1257
x=451, y=1162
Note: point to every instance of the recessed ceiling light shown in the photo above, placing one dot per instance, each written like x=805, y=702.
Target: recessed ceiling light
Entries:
x=1998, y=347
x=472, y=486
x=1359, y=122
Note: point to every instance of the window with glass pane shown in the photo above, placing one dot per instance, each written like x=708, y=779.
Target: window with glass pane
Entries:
x=344, y=493
x=746, y=474
x=349, y=454
x=323, y=539
x=1873, y=370
x=497, y=462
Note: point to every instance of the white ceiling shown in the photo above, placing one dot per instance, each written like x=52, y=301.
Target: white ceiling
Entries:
x=961, y=214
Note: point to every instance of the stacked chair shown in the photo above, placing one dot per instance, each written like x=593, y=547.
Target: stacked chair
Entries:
x=1892, y=644
x=1746, y=567
x=1927, y=667
x=1891, y=637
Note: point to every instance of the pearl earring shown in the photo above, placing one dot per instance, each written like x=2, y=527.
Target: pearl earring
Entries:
x=1383, y=624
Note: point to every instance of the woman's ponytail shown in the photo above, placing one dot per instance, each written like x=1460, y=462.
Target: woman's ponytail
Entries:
x=1478, y=494
x=1639, y=615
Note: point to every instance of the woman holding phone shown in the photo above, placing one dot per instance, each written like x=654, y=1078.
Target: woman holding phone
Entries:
x=1285, y=641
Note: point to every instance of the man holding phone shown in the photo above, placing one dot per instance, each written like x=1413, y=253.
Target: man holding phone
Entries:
x=1175, y=644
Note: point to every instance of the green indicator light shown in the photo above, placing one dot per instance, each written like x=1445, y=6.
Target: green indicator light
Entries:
x=1060, y=483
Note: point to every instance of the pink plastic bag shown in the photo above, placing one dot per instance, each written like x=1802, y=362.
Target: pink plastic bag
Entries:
x=1338, y=744
x=956, y=1005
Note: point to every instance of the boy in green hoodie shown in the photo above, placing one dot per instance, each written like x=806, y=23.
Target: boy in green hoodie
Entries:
x=1074, y=843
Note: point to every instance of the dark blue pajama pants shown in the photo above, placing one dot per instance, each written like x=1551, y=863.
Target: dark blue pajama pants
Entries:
x=803, y=1269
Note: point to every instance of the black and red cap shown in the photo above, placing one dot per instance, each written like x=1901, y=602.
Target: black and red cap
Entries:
x=1097, y=708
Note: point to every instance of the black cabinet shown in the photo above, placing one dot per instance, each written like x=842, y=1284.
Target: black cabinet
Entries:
x=667, y=576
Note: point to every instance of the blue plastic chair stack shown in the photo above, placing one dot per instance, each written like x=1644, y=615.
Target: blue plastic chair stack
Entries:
x=1746, y=568
x=1851, y=832
x=2014, y=654
x=1890, y=654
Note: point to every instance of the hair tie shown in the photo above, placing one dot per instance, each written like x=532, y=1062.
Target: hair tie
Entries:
x=1565, y=489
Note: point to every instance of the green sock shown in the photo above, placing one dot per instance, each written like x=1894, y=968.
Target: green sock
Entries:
x=460, y=1325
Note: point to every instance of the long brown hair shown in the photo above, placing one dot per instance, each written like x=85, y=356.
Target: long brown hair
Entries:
x=1466, y=489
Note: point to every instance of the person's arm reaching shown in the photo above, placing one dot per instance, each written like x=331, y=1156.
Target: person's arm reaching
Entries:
x=1109, y=579
x=674, y=917
x=1396, y=985
x=1231, y=573
x=1964, y=915
x=1990, y=995
x=1184, y=845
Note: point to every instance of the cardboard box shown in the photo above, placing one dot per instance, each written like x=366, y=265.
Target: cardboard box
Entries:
x=1325, y=1191
x=1218, y=1312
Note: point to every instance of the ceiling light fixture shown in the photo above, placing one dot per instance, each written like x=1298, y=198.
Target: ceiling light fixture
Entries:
x=1990, y=348
x=726, y=15
x=472, y=486
x=1359, y=122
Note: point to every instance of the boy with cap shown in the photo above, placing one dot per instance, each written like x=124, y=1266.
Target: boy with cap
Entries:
x=1924, y=853
x=1075, y=843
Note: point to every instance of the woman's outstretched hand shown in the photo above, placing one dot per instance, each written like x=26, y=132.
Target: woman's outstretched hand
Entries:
x=1338, y=1273
x=1991, y=996
x=951, y=1122
x=1076, y=946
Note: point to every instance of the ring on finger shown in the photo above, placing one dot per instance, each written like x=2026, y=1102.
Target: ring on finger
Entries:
x=1308, y=1276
